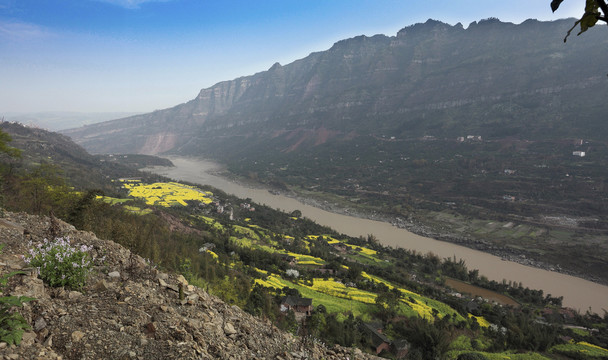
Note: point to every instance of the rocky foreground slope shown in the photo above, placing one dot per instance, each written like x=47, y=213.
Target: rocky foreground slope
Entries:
x=129, y=310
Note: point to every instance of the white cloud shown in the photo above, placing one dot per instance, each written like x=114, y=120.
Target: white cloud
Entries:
x=21, y=31
x=130, y=4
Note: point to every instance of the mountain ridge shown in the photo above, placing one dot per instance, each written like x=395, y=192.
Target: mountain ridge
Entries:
x=369, y=85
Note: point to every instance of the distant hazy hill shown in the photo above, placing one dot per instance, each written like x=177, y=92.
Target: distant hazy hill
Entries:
x=492, y=79
x=59, y=120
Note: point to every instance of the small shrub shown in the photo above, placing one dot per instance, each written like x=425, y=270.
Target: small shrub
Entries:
x=60, y=264
x=12, y=324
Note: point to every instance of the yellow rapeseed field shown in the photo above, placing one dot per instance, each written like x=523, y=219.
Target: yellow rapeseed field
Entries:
x=333, y=288
x=272, y=281
x=480, y=320
x=167, y=194
x=332, y=241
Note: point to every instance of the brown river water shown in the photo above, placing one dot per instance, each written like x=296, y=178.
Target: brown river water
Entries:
x=578, y=293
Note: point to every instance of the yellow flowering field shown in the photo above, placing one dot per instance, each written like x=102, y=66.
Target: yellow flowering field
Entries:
x=167, y=194
x=245, y=231
x=128, y=208
x=307, y=244
x=388, y=284
x=332, y=303
x=273, y=281
x=421, y=305
x=251, y=240
x=210, y=221
x=111, y=200
x=369, y=253
x=333, y=288
x=306, y=259
x=584, y=343
x=480, y=320
x=363, y=250
x=589, y=350
x=137, y=210
x=330, y=239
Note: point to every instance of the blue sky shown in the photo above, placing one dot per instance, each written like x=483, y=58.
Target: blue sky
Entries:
x=143, y=55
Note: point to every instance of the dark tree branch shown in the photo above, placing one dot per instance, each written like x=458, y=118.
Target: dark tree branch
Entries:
x=602, y=4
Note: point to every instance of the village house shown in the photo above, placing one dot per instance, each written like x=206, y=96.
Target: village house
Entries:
x=508, y=197
x=302, y=307
x=378, y=340
x=247, y=206
x=341, y=247
x=291, y=260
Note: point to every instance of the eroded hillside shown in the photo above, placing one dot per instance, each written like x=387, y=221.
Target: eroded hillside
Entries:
x=130, y=310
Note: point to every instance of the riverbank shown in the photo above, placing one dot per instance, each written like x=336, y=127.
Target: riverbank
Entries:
x=578, y=293
x=411, y=225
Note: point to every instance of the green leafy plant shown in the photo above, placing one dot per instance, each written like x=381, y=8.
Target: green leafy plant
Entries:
x=12, y=323
x=59, y=263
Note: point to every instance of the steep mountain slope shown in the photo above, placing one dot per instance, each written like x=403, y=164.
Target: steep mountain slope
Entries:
x=492, y=79
x=129, y=310
x=39, y=146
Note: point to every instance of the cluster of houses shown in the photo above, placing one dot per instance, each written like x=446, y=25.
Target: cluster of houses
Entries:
x=247, y=206
x=469, y=138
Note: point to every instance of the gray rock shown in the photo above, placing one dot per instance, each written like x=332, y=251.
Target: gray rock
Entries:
x=39, y=324
x=74, y=295
x=229, y=329
x=162, y=276
x=28, y=338
x=101, y=285
x=77, y=336
x=181, y=279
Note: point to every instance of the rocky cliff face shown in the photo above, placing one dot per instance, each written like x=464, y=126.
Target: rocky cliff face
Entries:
x=129, y=310
x=429, y=79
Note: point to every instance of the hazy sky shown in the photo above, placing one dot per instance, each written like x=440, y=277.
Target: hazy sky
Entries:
x=143, y=55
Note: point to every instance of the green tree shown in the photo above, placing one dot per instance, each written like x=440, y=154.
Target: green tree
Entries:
x=387, y=302
x=5, y=148
x=259, y=303
x=317, y=322
x=7, y=154
x=595, y=10
x=427, y=340
x=45, y=189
